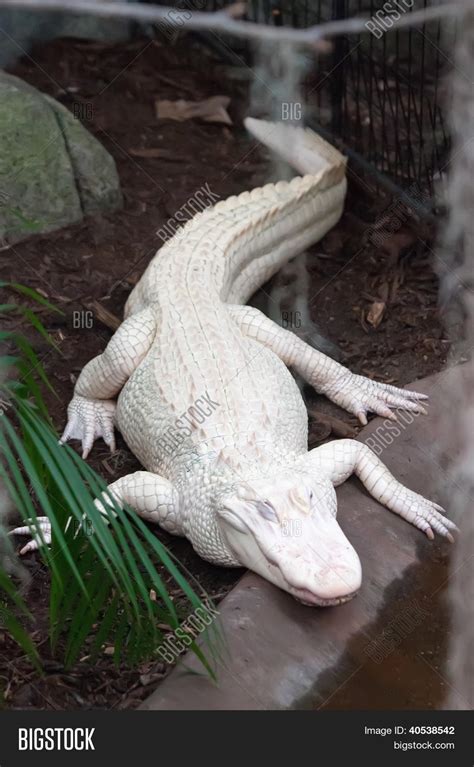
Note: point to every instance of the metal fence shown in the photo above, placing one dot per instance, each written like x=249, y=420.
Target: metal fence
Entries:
x=381, y=93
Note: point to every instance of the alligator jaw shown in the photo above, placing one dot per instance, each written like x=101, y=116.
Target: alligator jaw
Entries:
x=309, y=599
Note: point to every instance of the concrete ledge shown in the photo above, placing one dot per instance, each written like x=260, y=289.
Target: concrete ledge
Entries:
x=285, y=655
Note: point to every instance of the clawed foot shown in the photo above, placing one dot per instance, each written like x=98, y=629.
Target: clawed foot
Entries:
x=89, y=419
x=360, y=395
x=40, y=532
x=423, y=514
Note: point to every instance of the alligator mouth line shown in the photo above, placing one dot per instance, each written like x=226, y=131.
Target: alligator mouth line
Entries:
x=307, y=598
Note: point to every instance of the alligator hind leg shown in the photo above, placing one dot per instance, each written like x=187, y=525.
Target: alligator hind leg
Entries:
x=340, y=458
x=354, y=393
x=91, y=410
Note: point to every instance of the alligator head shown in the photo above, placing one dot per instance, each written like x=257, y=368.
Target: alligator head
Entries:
x=285, y=530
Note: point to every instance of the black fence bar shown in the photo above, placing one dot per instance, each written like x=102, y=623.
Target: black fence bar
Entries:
x=337, y=76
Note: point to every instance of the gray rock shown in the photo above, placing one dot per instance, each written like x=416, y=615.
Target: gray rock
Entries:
x=94, y=169
x=52, y=171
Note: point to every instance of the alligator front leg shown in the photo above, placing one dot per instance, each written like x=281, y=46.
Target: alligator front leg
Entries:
x=38, y=530
x=151, y=496
x=91, y=410
x=354, y=393
x=339, y=459
x=154, y=499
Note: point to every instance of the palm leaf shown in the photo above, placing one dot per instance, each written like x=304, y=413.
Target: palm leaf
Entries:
x=100, y=583
x=12, y=605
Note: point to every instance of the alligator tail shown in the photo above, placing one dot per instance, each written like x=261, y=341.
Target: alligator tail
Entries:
x=302, y=148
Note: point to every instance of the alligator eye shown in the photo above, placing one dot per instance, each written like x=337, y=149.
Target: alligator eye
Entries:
x=267, y=511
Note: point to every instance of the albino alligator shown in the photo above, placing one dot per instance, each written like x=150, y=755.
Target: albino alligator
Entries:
x=205, y=400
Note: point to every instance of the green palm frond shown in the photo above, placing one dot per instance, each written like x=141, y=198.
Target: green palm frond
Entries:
x=106, y=585
x=13, y=610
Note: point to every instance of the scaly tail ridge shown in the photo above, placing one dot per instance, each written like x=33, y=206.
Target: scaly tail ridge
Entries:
x=302, y=148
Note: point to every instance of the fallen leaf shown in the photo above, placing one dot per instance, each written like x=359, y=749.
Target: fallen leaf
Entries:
x=411, y=319
x=104, y=316
x=148, y=152
x=375, y=313
x=338, y=427
x=397, y=242
x=212, y=110
x=318, y=432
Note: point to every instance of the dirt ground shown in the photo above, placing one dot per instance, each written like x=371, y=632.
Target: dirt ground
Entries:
x=373, y=296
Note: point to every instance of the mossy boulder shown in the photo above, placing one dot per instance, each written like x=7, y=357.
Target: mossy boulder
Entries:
x=52, y=171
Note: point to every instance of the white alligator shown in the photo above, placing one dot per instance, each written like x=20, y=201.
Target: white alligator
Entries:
x=207, y=404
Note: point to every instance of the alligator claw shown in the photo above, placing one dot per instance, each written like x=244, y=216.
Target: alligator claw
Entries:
x=424, y=515
x=360, y=395
x=40, y=531
x=89, y=419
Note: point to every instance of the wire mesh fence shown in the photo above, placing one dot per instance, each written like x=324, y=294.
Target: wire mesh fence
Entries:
x=381, y=93
x=390, y=101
